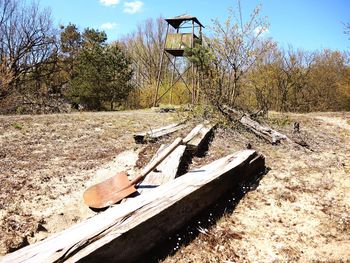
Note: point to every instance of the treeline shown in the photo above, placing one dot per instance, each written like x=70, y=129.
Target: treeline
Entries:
x=48, y=69
x=241, y=67
x=44, y=69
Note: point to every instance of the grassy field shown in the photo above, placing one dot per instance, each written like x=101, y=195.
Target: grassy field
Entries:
x=298, y=212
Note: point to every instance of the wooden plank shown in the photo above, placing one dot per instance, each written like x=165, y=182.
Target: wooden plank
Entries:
x=200, y=136
x=168, y=169
x=165, y=172
x=155, y=134
x=126, y=231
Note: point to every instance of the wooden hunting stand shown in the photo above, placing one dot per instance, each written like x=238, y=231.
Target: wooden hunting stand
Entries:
x=174, y=47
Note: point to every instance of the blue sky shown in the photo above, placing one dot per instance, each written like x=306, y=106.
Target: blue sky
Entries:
x=306, y=24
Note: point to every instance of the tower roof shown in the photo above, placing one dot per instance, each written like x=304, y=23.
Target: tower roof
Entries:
x=176, y=21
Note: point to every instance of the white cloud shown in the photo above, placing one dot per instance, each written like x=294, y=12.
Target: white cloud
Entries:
x=261, y=31
x=133, y=7
x=109, y=2
x=108, y=25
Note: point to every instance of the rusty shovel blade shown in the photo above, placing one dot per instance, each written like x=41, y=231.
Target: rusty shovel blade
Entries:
x=109, y=192
x=118, y=187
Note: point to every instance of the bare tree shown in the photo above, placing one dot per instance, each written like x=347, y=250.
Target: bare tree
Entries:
x=347, y=29
x=230, y=51
x=6, y=10
x=329, y=81
x=292, y=79
x=237, y=47
x=27, y=40
x=262, y=87
x=144, y=47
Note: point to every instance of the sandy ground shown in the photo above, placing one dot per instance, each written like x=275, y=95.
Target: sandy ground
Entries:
x=299, y=212
x=47, y=161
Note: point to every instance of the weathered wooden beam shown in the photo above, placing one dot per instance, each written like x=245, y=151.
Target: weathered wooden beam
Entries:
x=126, y=231
x=166, y=170
x=200, y=136
x=155, y=134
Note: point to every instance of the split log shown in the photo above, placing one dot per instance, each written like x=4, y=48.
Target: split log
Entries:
x=199, y=138
x=166, y=171
x=155, y=134
x=126, y=231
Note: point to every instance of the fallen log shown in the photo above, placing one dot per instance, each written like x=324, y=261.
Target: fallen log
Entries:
x=265, y=132
x=270, y=135
x=124, y=232
x=155, y=134
x=200, y=138
x=164, y=109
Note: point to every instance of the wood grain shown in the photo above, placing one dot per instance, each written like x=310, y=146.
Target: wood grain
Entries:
x=126, y=231
x=165, y=172
x=154, y=134
x=198, y=138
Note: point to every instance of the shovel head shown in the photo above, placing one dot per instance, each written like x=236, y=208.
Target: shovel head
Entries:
x=109, y=192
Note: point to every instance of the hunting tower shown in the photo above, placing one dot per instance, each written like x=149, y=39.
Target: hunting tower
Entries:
x=186, y=29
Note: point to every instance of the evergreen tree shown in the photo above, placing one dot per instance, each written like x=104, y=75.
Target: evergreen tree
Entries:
x=103, y=73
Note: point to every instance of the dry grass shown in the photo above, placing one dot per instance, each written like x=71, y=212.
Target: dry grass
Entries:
x=298, y=212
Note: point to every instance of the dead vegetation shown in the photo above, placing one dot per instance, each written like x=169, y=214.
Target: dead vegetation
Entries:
x=298, y=212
